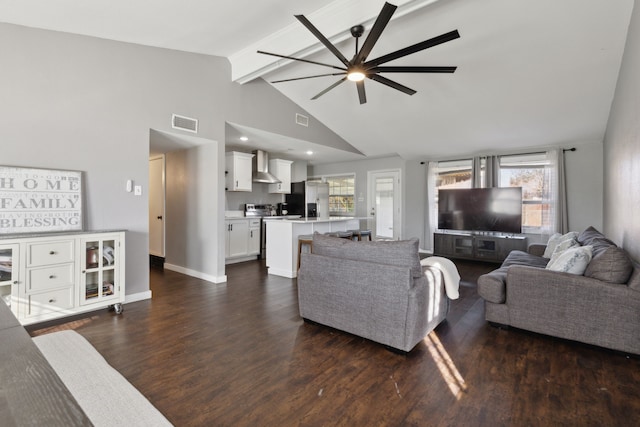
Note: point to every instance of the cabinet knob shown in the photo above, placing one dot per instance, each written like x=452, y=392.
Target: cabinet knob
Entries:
x=15, y=282
x=52, y=277
x=52, y=252
x=52, y=300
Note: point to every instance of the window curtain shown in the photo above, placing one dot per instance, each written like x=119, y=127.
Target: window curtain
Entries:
x=431, y=216
x=485, y=172
x=555, y=195
x=492, y=172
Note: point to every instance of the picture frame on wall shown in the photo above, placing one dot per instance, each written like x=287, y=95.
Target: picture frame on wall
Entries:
x=34, y=200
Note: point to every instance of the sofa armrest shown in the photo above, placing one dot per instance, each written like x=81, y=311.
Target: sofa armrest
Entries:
x=536, y=249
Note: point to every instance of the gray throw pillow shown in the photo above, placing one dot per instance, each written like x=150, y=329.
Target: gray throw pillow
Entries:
x=403, y=253
x=611, y=264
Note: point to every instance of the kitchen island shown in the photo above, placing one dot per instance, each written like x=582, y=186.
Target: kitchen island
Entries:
x=282, y=239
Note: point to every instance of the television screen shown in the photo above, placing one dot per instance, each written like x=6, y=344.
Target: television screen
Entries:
x=481, y=209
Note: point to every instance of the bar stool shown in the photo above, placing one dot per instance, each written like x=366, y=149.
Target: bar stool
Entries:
x=304, y=239
x=361, y=233
x=341, y=234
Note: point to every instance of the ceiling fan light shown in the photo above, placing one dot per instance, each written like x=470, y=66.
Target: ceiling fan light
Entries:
x=356, y=76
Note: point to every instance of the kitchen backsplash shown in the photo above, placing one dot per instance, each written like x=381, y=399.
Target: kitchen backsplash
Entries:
x=235, y=200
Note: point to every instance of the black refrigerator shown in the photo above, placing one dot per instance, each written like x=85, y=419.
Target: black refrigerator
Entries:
x=308, y=199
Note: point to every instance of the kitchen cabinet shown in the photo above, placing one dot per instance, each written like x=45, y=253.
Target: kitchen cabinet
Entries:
x=239, y=170
x=254, y=237
x=237, y=243
x=282, y=170
x=53, y=275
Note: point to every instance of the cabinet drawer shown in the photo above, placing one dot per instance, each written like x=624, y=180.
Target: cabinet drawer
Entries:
x=40, y=279
x=254, y=223
x=48, y=302
x=48, y=253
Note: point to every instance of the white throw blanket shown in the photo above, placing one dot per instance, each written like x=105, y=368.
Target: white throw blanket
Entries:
x=449, y=271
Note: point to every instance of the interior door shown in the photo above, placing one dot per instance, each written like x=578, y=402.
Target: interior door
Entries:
x=156, y=206
x=384, y=204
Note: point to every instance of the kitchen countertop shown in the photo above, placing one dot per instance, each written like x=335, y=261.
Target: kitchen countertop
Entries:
x=314, y=220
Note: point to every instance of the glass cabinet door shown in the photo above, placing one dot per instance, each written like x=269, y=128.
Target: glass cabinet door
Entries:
x=8, y=271
x=99, y=272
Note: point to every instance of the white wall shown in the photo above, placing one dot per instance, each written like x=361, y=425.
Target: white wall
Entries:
x=622, y=150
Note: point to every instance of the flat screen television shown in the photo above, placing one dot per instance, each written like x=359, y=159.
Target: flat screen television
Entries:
x=481, y=209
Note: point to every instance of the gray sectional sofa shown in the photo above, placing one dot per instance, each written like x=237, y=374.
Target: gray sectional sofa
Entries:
x=599, y=307
x=377, y=290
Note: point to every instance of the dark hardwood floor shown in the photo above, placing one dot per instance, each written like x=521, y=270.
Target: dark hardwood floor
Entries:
x=238, y=354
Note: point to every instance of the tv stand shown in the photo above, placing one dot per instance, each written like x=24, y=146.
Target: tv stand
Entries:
x=481, y=247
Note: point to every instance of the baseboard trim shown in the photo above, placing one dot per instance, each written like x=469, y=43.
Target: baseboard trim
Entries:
x=196, y=274
x=140, y=296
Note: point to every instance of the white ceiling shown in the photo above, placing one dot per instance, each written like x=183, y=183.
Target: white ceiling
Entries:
x=530, y=73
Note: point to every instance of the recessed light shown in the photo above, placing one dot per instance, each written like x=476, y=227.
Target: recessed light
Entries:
x=244, y=138
x=309, y=153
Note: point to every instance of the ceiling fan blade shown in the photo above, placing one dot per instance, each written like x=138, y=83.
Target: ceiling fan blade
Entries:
x=361, y=93
x=411, y=69
x=304, y=21
x=302, y=60
x=391, y=83
x=329, y=88
x=307, y=77
x=443, y=38
x=381, y=22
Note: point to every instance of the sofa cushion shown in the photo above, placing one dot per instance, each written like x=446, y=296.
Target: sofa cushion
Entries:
x=492, y=286
x=610, y=264
x=557, y=239
x=573, y=261
x=524, y=258
x=634, y=280
x=589, y=234
x=403, y=253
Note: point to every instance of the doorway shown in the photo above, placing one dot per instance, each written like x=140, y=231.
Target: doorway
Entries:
x=384, y=204
x=157, y=210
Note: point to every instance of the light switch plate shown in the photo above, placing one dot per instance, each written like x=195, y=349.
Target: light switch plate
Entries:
x=129, y=186
x=137, y=190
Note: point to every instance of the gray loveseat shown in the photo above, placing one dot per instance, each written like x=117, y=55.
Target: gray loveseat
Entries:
x=376, y=290
x=600, y=307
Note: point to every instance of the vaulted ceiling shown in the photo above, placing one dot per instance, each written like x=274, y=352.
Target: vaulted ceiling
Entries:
x=530, y=73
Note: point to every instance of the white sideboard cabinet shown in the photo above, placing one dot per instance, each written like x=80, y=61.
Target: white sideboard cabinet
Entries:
x=53, y=275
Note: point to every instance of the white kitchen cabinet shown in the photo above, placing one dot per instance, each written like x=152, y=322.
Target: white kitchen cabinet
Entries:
x=239, y=169
x=282, y=170
x=254, y=237
x=53, y=275
x=237, y=243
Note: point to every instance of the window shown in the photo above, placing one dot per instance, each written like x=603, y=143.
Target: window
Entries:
x=529, y=171
x=454, y=174
x=342, y=191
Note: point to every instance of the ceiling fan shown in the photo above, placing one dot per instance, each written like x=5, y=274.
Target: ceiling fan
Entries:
x=358, y=68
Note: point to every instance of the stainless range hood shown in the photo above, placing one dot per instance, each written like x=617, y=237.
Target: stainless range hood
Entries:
x=261, y=168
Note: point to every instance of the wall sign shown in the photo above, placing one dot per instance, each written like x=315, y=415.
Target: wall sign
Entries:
x=40, y=200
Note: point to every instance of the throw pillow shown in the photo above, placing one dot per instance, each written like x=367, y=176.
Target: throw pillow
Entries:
x=573, y=261
x=555, y=240
x=611, y=265
x=564, y=245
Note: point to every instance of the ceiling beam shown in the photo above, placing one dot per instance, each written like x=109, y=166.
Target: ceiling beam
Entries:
x=333, y=20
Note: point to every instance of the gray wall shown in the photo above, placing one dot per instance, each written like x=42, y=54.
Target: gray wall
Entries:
x=82, y=103
x=622, y=150
x=584, y=186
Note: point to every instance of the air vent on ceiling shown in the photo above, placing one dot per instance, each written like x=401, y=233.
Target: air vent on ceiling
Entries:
x=184, y=123
x=302, y=120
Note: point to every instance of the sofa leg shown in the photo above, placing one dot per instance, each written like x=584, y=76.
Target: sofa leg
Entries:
x=498, y=325
x=396, y=350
